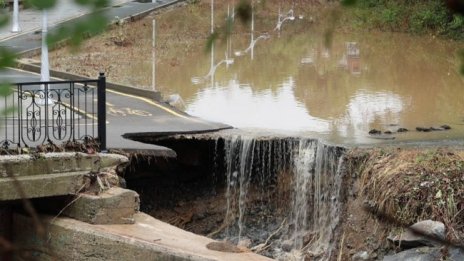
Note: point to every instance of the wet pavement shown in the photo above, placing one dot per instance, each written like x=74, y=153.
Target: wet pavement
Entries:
x=125, y=112
x=135, y=114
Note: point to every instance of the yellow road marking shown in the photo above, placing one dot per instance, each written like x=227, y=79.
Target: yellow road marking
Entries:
x=154, y=104
x=149, y=101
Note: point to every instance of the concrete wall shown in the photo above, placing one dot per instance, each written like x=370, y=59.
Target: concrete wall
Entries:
x=51, y=174
x=145, y=240
x=74, y=240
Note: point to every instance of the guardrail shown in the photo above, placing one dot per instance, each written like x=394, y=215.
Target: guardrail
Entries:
x=54, y=112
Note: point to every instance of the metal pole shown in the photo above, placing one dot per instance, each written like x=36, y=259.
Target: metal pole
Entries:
x=101, y=106
x=154, y=56
x=212, y=46
x=44, y=67
x=16, y=28
x=252, y=31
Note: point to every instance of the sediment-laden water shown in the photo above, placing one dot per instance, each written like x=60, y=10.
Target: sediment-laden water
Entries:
x=283, y=193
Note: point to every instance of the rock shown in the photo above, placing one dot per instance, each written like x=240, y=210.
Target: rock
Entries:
x=427, y=254
x=224, y=247
x=446, y=127
x=113, y=206
x=362, y=255
x=402, y=130
x=374, y=132
x=423, y=129
x=287, y=245
x=456, y=253
x=416, y=254
x=429, y=230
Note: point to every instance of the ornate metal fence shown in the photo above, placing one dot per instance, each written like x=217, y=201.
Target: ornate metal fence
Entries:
x=54, y=112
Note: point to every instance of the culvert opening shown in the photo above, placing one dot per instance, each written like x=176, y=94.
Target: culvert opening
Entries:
x=280, y=196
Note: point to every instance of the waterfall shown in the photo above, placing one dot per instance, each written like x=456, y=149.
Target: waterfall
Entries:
x=286, y=186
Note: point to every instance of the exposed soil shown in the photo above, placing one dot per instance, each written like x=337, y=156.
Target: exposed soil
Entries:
x=394, y=188
x=198, y=204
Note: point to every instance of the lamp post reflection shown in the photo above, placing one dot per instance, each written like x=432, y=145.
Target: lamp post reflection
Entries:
x=281, y=19
x=253, y=41
x=228, y=61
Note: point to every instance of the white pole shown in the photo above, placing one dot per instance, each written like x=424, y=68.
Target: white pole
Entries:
x=44, y=65
x=154, y=56
x=44, y=68
x=16, y=28
x=212, y=45
x=252, y=32
x=229, y=37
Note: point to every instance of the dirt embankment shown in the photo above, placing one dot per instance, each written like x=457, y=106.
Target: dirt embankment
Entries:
x=384, y=191
x=394, y=188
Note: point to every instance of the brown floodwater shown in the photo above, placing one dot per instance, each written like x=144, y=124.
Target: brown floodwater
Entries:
x=292, y=83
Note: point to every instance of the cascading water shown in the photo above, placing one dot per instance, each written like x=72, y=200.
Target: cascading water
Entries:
x=285, y=191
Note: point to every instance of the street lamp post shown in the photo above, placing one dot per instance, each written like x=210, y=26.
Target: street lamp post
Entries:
x=212, y=46
x=16, y=28
x=44, y=65
x=154, y=56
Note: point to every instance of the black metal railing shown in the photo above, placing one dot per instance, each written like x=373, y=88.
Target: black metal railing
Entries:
x=54, y=112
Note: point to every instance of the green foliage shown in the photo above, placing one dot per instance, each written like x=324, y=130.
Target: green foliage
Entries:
x=7, y=58
x=430, y=16
x=461, y=58
x=414, y=16
x=244, y=15
x=41, y=4
x=244, y=11
x=77, y=32
x=211, y=40
x=5, y=89
x=4, y=18
x=93, y=3
x=348, y=2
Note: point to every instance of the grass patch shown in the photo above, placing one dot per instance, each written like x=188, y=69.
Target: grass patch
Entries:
x=413, y=185
x=418, y=17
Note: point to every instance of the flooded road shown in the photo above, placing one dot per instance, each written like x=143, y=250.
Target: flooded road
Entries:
x=293, y=83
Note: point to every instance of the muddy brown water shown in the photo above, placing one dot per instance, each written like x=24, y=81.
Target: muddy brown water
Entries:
x=293, y=83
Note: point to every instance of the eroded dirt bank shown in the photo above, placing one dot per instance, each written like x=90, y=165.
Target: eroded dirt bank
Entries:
x=382, y=191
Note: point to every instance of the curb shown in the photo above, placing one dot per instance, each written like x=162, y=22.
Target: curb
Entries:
x=148, y=11
x=155, y=95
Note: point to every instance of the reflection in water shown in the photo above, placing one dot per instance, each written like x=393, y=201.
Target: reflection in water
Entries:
x=270, y=110
x=253, y=41
x=363, y=82
x=383, y=108
x=281, y=19
x=227, y=61
x=351, y=60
